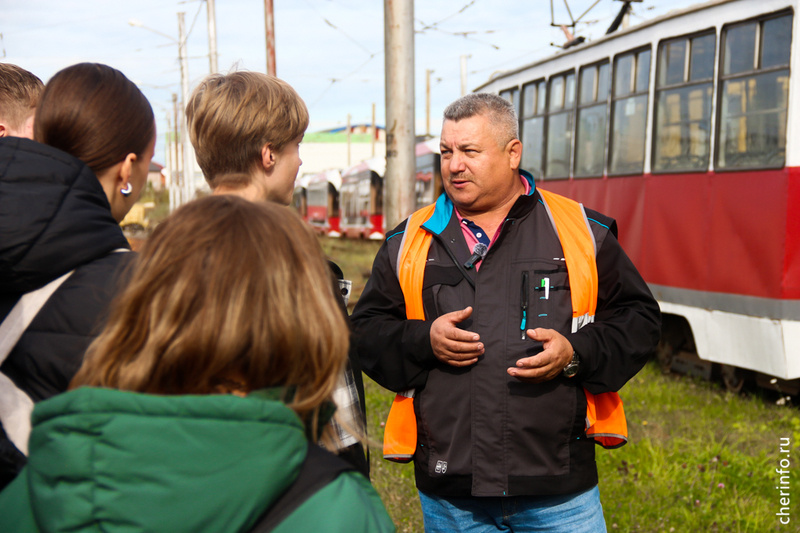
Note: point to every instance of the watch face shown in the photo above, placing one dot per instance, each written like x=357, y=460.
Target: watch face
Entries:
x=571, y=369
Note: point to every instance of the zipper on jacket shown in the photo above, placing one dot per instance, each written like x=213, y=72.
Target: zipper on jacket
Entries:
x=524, y=303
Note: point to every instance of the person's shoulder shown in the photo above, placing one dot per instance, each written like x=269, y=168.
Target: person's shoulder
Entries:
x=348, y=504
x=599, y=219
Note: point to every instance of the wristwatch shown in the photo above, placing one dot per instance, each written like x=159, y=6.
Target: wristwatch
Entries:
x=572, y=367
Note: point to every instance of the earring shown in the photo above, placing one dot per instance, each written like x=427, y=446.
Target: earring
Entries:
x=127, y=190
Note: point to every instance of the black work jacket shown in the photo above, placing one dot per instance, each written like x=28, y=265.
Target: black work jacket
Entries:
x=482, y=432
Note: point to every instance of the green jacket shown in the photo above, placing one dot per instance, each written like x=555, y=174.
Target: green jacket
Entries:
x=113, y=461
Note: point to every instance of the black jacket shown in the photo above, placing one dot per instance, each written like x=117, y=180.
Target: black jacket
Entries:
x=482, y=432
x=54, y=217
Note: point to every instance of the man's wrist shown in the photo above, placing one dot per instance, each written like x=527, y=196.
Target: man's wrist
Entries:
x=573, y=366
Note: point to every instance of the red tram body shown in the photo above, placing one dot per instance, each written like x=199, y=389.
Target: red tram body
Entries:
x=681, y=129
x=322, y=199
x=362, y=199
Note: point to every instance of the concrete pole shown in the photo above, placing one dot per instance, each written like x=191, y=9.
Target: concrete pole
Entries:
x=428, y=102
x=399, y=199
x=348, y=140
x=212, y=37
x=374, y=129
x=463, y=75
x=168, y=161
x=269, y=23
x=188, y=164
x=173, y=188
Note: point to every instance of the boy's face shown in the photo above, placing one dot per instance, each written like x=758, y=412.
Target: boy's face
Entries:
x=287, y=164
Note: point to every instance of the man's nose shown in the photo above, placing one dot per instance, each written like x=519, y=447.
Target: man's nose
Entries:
x=457, y=163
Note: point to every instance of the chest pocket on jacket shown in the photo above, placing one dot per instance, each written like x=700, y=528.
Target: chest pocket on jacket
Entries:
x=547, y=302
x=438, y=297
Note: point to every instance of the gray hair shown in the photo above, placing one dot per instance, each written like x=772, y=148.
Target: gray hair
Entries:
x=498, y=110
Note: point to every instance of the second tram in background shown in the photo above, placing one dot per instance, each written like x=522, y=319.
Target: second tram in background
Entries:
x=682, y=129
x=350, y=204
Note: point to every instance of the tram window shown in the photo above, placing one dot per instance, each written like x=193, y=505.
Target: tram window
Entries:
x=683, y=110
x=629, y=113
x=754, y=95
x=777, y=33
x=702, y=58
x=560, y=125
x=532, y=126
x=512, y=95
x=590, y=143
x=740, y=48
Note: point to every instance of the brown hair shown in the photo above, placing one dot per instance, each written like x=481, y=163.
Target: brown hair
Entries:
x=231, y=117
x=19, y=94
x=95, y=113
x=223, y=289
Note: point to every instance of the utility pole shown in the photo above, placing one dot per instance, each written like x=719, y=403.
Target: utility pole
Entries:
x=212, y=36
x=374, y=130
x=169, y=161
x=400, y=157
x=188, y=166
x=173, y=189
x=428, y=102
x=348, y=140
x=464, y=75
x=269, y=22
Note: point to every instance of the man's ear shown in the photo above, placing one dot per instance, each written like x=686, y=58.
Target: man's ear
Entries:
x=514, y=151
x=267, y=158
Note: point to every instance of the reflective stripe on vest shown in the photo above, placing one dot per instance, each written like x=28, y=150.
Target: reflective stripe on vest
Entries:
x=605, y=417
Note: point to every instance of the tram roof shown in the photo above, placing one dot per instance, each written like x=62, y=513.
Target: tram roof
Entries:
x=605, y=38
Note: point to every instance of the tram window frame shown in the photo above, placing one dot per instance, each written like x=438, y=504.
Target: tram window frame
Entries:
x=635, y=92
x=516, y=97
x=756, y=72
x=539, y=115
x=564, y=109
x=664, y=86
x=594, y=103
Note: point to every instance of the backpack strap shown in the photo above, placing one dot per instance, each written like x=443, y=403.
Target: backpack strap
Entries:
x=319, y=468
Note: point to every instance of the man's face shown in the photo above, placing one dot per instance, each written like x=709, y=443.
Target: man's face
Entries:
x=478, y=174
x=287, y=164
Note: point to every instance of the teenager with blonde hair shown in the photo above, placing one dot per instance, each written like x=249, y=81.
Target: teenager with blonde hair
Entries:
x=246, y=128
x=198, y=403
x=19, y=94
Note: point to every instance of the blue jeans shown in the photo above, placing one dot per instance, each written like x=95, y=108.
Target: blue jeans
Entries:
x=573, y=513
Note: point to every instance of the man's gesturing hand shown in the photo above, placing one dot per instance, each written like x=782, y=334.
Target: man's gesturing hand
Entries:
x=547, y=364
x=455, y=346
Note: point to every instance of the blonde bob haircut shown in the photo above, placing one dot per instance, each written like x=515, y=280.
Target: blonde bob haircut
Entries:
x=226, y=291
x=231, y=117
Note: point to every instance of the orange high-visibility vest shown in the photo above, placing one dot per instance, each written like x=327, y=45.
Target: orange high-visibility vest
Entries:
x=605, y=416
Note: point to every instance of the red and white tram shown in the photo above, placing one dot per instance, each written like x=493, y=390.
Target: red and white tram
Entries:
x=428, y=180
x=322, y=202
x=682, y=129
x=362, y=199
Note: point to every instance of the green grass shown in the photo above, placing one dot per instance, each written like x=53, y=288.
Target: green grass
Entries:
x=699, y=458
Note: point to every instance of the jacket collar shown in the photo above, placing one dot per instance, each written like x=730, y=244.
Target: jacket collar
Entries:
x=444, y=207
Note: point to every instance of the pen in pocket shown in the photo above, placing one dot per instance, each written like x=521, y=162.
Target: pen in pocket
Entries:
x=524, y=303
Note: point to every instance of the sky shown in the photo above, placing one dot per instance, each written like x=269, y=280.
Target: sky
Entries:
x=331, y=51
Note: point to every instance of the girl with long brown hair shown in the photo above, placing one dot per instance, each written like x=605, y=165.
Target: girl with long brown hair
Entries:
x=213, y=379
